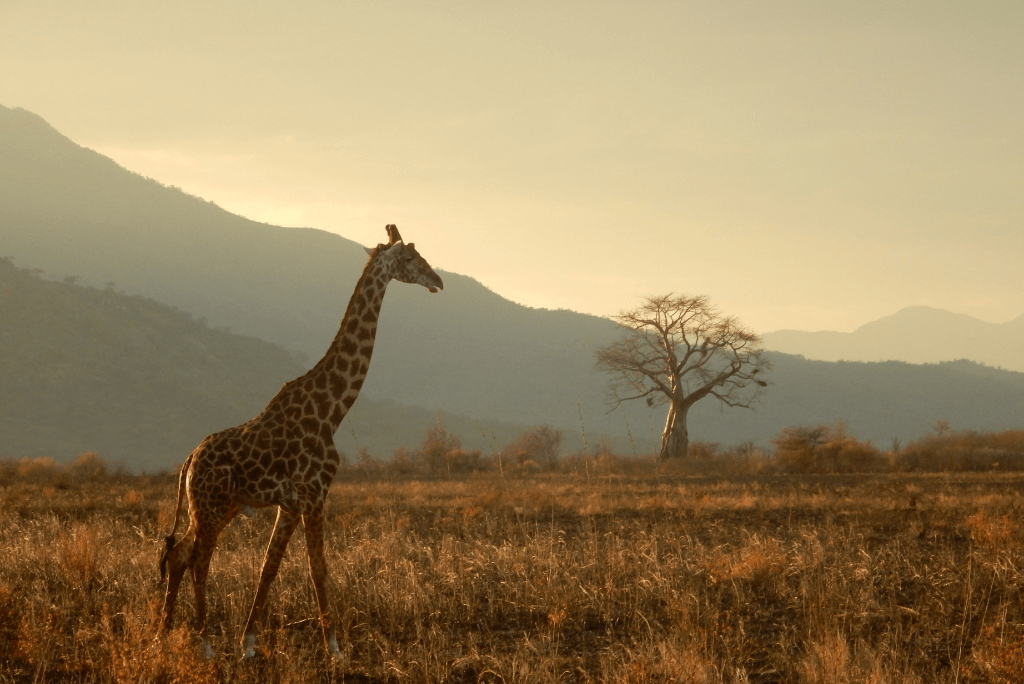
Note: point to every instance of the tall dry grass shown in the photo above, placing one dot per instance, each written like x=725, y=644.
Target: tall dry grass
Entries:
x=594, y=575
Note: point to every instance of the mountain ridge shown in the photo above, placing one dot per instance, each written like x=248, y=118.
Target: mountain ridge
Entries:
x=915, y=334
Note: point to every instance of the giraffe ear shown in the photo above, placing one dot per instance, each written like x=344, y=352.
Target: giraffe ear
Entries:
x=369, y=250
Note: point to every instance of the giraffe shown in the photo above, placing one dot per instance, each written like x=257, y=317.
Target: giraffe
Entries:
x=285, y=456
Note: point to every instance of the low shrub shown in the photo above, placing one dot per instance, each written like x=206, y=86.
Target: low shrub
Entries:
x=44, y=470
x=826, y=449
x=949, y=451
x=535, y=449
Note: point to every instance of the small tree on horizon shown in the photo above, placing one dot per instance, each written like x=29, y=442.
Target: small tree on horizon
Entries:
x=677, y=351
x=437, y=445
x=540, y=444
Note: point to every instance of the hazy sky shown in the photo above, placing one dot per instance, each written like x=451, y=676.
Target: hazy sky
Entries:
x=810, y=165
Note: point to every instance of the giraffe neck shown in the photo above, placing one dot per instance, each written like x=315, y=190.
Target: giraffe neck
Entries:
x=340, y=373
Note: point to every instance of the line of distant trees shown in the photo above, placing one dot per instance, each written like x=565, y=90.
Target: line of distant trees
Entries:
x=820, y=449
x=832, y=449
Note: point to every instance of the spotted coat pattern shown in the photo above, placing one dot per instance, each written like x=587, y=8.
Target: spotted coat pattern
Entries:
x=285, y=456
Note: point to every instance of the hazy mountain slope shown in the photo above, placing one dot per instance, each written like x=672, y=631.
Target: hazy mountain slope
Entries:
x=70, y=211
x=83, y=369
x=465, y=350
x=86, y=369
x=917, y=334
x=878, y=401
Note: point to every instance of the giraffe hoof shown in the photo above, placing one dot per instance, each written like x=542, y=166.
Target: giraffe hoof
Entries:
x=333, y=651
x=249, y=648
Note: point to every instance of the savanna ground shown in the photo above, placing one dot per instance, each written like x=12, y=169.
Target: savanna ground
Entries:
x=601, y=572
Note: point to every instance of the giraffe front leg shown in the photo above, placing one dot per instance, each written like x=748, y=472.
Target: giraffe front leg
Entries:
x=203, y=554
x=314, y=526
x=283, y=528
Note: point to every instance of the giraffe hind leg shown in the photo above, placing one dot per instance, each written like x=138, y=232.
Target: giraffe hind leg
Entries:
x=202, y=555
x=176, y=560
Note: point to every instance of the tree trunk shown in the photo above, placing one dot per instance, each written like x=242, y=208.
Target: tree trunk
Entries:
x=675, y=440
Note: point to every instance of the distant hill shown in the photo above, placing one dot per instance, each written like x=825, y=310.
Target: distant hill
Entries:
x=878, y=401
x=917, y=334
x=83, y=369
x=72, y=212
x=465, y=351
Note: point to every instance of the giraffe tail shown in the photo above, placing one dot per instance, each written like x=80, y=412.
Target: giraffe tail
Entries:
x=170, y=539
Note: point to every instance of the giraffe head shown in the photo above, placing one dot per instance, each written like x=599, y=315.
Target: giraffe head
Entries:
x=405, y=264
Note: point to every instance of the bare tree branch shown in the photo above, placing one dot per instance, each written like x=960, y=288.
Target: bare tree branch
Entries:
x=679, y=350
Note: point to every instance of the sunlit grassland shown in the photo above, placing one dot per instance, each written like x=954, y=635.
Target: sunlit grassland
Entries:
x=594, y=575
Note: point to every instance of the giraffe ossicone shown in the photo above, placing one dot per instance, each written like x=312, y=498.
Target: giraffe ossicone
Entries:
x=285, y=456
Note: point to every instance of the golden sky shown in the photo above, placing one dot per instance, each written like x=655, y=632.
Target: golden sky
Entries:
x=808, y=165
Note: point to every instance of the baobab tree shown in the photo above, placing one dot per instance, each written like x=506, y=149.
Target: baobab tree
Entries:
x=679, y=350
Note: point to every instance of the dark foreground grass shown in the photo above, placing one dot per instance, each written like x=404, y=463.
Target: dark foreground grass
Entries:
x=649, y=577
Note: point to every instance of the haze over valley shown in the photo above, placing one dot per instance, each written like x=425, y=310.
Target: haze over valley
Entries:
x=257, y=304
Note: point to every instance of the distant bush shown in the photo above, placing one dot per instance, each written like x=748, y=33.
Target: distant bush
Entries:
x=440, y=454
x=948, y=451
x=711, y=459
x=46, y=471
x=443, y=453
x=436, y=446
x=603, y=464
x=462, y=461
x=703, y=451
x=41, y=471
x=535, y=449
x=88, y=466
x=826, y=449
x=366, y=467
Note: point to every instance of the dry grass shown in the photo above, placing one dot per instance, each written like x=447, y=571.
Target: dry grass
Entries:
x=597, y=575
